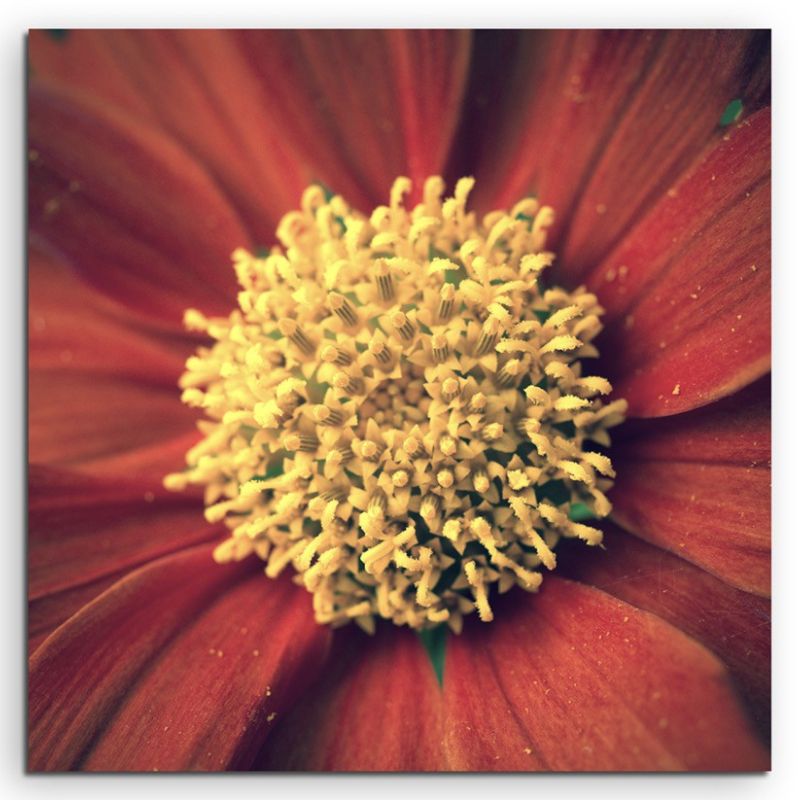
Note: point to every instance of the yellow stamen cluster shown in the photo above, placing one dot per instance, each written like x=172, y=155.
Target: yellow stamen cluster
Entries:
x=397, y=408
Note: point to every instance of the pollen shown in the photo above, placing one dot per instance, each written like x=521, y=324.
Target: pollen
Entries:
x=398, y=409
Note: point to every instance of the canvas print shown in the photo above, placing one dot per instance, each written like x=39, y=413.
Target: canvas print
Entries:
x=399, y=400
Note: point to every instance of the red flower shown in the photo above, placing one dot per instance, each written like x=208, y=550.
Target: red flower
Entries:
x=153, y=155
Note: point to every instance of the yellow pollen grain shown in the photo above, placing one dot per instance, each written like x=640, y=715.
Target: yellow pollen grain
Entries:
x=385, y=406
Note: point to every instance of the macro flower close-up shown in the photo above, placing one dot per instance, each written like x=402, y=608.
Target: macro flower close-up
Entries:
x=399, y=400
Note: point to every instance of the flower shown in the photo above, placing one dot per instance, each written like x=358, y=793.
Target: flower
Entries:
x=397, y=408
x=153, y=155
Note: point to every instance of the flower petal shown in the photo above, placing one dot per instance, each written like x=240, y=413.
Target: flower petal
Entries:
x=136, y=215
x=356, y=108
x=182, y=665
x=151, y=461
x=146, y=73
x=83, y=528
x=572, y=679
x=698, y=485
x=376, y=710
x=71, y=326
x=663, y=128
x=93, y=371
x=598, y=120
x=86, y=531
x=688, y=291
x=86, y=60
x=47, y=612
x=77, y=418
x=734, y=625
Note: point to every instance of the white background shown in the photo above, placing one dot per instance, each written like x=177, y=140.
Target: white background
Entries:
x=17, y=17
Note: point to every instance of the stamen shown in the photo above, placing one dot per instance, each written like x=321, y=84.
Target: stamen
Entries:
x=328, y=416
x=402, y=326
x=509, y=374
x=412, y=446
x=450, y=389
x=448, y=446
x=384, y=281
x=477, y=402
x=347, y=383
x=303, y=442
x=371, y=451
x=447, y=301
x=480, y=481
x=430, y=507
x=488, y=338
x=290, y=329
x=340, y=456
x=400, y=479
x=377, y=347
x=445, y=478
x=440, y=348
x=481, y=595
x=343, y=309
x=335, y=355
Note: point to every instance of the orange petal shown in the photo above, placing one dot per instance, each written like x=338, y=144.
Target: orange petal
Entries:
x=572, y=679
x=598, y=123
x=734, y=625
x=72, y=326
x=698, y=485
x=664, y=126
x=270, y=111
x=377, y=709
x=87, y=61
x=79, y=419
x=86, y=531
x=128, y=208
x=47, y=612
x=183, y=665
x=357, y=108
x=84, y=528
x=147, y=74
x=92, y=371
x=688, y=290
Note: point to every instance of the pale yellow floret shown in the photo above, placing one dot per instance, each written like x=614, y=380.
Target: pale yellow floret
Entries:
x=390, y=407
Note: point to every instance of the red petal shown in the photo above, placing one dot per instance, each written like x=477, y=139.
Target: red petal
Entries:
x=688, y=291
x=85, y=528
x=46, y=613
x=132, y=211
x=736, y=429
x=733, y=624
x=356, y=108
x=148, y=462
x=698, y=484
x=376, y=710
x=608, y=118
x=86, y=60
x=73, y=327
x=151, y=77
x=183, y=665
x=92, y=372
x=574, y=680
x=77, y=418
x=568, y=89
x=662, y=129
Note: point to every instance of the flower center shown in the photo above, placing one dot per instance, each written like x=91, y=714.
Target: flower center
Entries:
x=398, y=410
